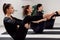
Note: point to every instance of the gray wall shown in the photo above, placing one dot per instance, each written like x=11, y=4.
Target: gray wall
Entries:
x=49, y=5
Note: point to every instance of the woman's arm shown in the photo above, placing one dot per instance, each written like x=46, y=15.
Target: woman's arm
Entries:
x=39, y=20
x=31, y=18
x=18, y=21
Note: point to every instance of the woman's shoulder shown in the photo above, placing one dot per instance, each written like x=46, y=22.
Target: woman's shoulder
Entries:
x=7, y=19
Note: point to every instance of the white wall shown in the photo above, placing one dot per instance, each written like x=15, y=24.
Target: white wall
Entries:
x=49, y=5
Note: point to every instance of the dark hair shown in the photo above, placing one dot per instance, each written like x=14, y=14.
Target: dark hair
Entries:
x=5, y=7
x=38, y=5
x=25, y=12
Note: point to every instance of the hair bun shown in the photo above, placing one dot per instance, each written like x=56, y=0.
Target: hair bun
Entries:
x=4, y=5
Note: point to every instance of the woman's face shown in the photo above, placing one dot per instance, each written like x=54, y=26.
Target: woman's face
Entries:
x=30, y=9
x=40, y=8
x=10, y=9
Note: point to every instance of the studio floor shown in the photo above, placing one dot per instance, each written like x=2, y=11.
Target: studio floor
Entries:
x=48, y=34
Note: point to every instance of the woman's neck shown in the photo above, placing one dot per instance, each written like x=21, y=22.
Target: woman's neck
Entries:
x=29, y=13
x=8, y=15
x=39, y=10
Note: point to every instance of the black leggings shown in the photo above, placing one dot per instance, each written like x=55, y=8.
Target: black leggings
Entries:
x=50, y=23
x=38, y=28
x=20, y=34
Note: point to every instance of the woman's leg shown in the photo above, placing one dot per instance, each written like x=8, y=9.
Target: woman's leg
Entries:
x=38, y=28
x=21, y=34
x=49, y=24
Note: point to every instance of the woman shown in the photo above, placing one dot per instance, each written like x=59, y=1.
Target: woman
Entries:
x=47, y=24
x=38, y=27
x=13, y=25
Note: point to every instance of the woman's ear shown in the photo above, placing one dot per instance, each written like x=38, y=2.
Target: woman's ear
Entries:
x=6, y=10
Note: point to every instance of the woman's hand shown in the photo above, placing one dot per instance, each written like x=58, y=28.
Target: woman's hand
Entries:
x=27, y=26
x=18, y=26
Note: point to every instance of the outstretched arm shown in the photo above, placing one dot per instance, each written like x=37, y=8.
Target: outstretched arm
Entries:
x=39, y=20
